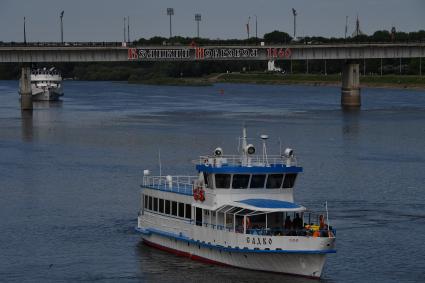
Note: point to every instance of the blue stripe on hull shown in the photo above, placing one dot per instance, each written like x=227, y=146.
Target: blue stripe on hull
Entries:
x=184, y=238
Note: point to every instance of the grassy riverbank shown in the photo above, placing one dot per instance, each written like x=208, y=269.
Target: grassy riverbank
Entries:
x=404, y=81
x=388, y=81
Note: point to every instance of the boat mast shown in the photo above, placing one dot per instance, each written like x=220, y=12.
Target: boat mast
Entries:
x=244, y=144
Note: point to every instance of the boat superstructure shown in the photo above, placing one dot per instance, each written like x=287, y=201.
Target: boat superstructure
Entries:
x=239, y=210
x=46, y=84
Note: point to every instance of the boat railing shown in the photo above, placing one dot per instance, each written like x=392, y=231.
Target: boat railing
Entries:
x=307, y=230
x=176, y=184
x=250, y=161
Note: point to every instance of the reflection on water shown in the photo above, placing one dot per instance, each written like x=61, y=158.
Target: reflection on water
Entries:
x=27, y=125
x=350, y=122
x=42, y=117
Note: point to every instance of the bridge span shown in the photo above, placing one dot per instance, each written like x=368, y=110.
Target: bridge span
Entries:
x=351, y=53
x=61, y=53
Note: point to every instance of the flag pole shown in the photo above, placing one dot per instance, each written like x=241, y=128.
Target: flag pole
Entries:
x=327, y=214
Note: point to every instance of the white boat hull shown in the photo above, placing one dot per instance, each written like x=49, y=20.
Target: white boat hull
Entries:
x=46, y=94
x=309, y=265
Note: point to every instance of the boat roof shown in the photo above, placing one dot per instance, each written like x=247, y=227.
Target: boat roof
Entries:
x=254, y=206
x=269, y=205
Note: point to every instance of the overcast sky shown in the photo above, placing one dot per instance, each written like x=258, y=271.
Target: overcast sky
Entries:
x=102, y=20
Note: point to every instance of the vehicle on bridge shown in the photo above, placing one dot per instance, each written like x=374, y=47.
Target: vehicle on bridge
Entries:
x=239, y=211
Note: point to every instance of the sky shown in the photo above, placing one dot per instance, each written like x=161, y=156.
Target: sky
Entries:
x=102, y=20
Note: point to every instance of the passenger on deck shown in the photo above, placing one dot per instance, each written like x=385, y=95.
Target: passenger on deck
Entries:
x=298, y=222
x=322, y=224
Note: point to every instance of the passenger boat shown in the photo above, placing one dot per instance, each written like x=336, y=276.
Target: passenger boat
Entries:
x=238, y=211
x=46, y=84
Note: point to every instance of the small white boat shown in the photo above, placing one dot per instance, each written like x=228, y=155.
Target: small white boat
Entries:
x=238, y=211
x=46, y=84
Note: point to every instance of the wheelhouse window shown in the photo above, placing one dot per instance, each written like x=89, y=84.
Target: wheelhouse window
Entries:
x=289, y=180
x=222, y=181
x=257, y=181
x=146, y=202
x=206, y=179
x=274, y=181
x=240, y=181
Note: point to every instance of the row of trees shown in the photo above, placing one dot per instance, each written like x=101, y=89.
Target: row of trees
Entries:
x=280, y=37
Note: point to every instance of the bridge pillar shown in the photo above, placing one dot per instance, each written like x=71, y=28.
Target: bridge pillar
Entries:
x=25, y=89
x=350, y=90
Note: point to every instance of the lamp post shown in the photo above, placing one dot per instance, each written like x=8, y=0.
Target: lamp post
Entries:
x=125, y=38
x=197, y=19
x=128, y=29
x=61, y=17
x=170, y=12
x=247, y=27
x=256, y=34
x=25, y=33
x=294, y=12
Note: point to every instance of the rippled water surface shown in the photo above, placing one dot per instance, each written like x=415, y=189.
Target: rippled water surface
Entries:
x=70, y=175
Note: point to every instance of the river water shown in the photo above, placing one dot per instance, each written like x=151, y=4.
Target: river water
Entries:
x=70, y=175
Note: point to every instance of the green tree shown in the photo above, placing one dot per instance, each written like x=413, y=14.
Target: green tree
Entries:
x=277, y=37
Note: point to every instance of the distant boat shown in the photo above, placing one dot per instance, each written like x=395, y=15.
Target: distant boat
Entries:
x=46, y=84
x=239, y=211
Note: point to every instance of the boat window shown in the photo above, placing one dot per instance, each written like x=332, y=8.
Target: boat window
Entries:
x=188, y=211
x=167, y=206
x=146, y=202
x=206, y=176
x=240, y=181
x=257, y=181
x=289, y=180
x=174, y=208
x=222, y=181
x=155, y=204
x=274, y=181
x=181, y=209
x=150, y=203
x=161, y=205
x=198, y=216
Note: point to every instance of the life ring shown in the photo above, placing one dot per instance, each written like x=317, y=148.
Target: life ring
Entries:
x=198, y=194
x=201, y=194
x=247, y=224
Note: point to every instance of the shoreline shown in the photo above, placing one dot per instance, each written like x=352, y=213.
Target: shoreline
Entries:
x=392, y=82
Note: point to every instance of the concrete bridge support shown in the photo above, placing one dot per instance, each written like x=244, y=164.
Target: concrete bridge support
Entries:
x=350, y=90
x=25, y=89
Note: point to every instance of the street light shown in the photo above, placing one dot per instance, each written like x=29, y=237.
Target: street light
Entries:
x=125, y=38
x=197, y=19
x=294, y=12
x=247, y=26
x=61, y=16
x=25, y=33
x=170, y=12
x=256, y=34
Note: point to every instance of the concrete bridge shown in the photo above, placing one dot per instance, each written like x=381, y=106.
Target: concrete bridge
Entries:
x=351, y=53
x=95, y=53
